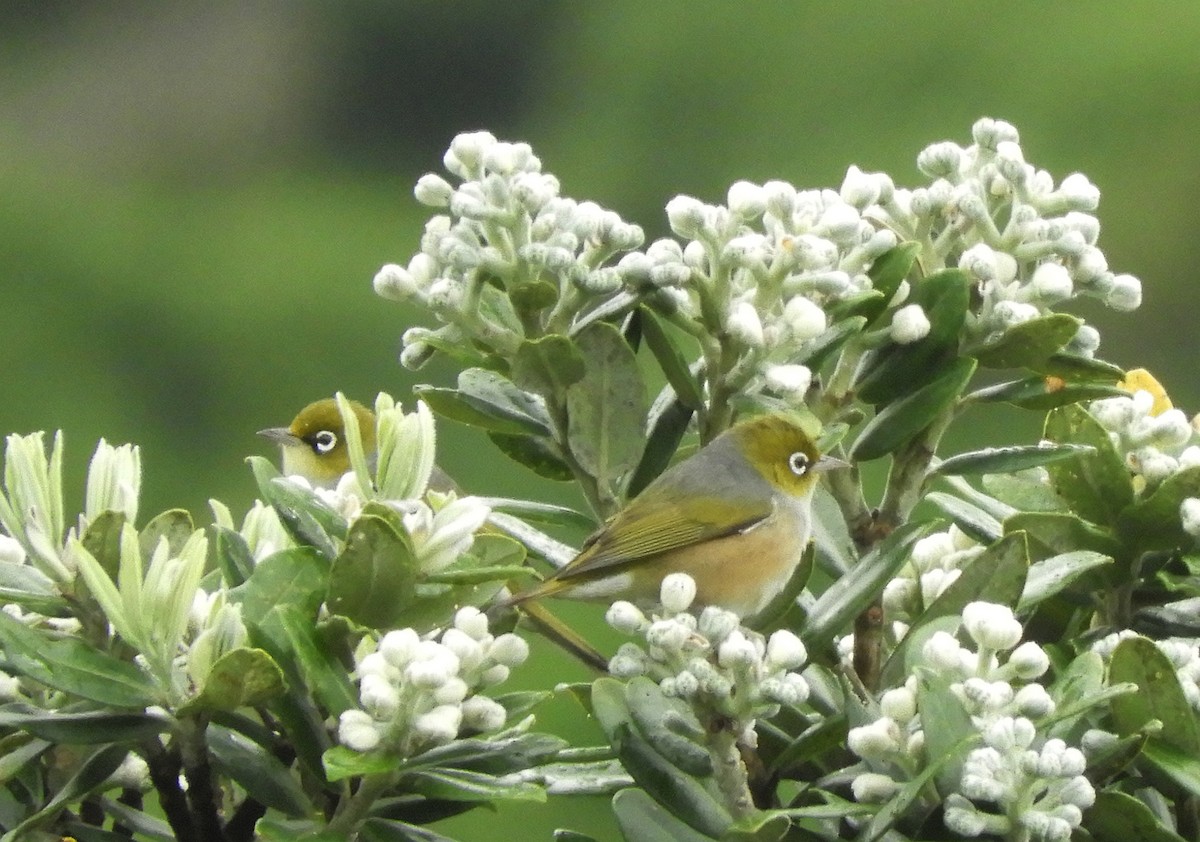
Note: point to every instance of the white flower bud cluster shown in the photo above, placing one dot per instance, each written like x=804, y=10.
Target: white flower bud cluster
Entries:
x=1046, y=784
x=1004, y=700
x=722, y=669
x=1183, y=653
x=504, y=221
x=1155, y=444
x=935, y=562
x=218, y=628
x=417, y=693
x=261, y=528
x=1044, y=253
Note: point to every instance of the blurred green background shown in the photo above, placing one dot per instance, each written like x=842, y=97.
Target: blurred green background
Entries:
x=194, y=197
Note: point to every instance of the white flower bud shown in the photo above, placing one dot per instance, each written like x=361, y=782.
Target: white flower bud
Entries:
x=990, y=133
x=687, y=216
x=790, y=380
x=736, y=651
x=716, y=623
x=1028, y=661
x=745, y=325
x=1010, y=313
x=472, y=621
x=466, y=151
x=992, y=626
x=433, y=190
x=962, y=817
x=909, y=324
x=133, y=773
x=10, y=687
x=1052, y=282
x=492, y=676
x=1009, y=733
x=358, y=731
x=398, y=647
x=839, y=223
x=452, y=692
x=898, y=704
x=859, y=189
x=1033, y=701
x=785, y=650
x=509, y=650
x=875, y=740
x=1090, y=266
x=746, y=200
x=465, y=648
x=1080, y=192
x=1189, y=514
x=873, y=788
x=677, y=592
x=479, y=713
x=943, y=652
x=625, y=617
x=379, y=696
x=940, y=160
x=668, y=635
x=1126, y=293
x=804, y=318
x=780, y=198
x=434, y=670
x=440, y=725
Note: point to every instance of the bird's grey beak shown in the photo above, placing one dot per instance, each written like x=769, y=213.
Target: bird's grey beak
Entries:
x=279, y=435
x=829, y=463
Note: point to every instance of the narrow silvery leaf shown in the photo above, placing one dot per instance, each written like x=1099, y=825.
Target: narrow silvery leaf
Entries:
x=407, y=446
x=114, y=481
x=538, y=542
x=354, y=444
x=102, y=589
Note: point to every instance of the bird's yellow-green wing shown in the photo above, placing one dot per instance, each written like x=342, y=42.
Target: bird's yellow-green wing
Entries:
x=643, y=531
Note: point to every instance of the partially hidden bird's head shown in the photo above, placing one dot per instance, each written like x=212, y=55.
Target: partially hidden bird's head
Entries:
x=314, y=444
x=782, y=451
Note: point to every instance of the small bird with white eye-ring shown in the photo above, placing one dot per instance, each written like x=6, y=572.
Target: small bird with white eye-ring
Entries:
x=314, y=444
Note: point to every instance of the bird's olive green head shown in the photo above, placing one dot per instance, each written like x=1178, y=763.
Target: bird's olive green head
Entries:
x=779, y=449
x=314, y=444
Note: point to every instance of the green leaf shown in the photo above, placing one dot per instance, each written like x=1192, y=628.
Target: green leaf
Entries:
x=374, y=579
x=759, y=827
x=816, y=351
x=102, y=539
x=947, y=726
x=1030, y=343
x=1003, y=460
x=649, y=710
x=538, y=455
x=1180, y=766
x=1053, y=575
x=1153, y=522
x=377, y=829
x=1026, y=492
x=450, y=403
x=94, y=772
x=912, y=792
x=234, y=559
x=997, y=574
x=70, y=665
x=1096, y=487
x=1078, y=368
x=20, y=751
x=1043, y=393
x=341, y=763
x=671, y=360
x=898, y=422
x=297, y=576
x=174, y=526
x=1159, y=696
x=544, y=513
x=308, y=520
x=256, y=770
x=547, y=366
x=896, y=370
x=241, y=677
x=83, y=728
x=835, y=610
x=499, y=398
x=641, y=819
x=1118, y=817
x=29, y=587
x=606, y=410
x=1060, y=532
x=666, y=432
x=146, y=827
x=887, y=273
x=320, y=670
x=968, y=517
x=273, y=829
x=464, y=785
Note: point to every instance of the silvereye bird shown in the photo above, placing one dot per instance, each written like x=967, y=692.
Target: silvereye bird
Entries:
x=736, y=517
x=314, y=444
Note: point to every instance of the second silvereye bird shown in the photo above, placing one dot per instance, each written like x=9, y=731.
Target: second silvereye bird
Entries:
x=736, y=517
x=314, y=444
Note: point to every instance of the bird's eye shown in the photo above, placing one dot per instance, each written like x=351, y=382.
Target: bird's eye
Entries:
x=324, y=441
x=798, y=462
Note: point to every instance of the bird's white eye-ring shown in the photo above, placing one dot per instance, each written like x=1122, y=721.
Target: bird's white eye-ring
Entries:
x=799, y=463
x=324, y=441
